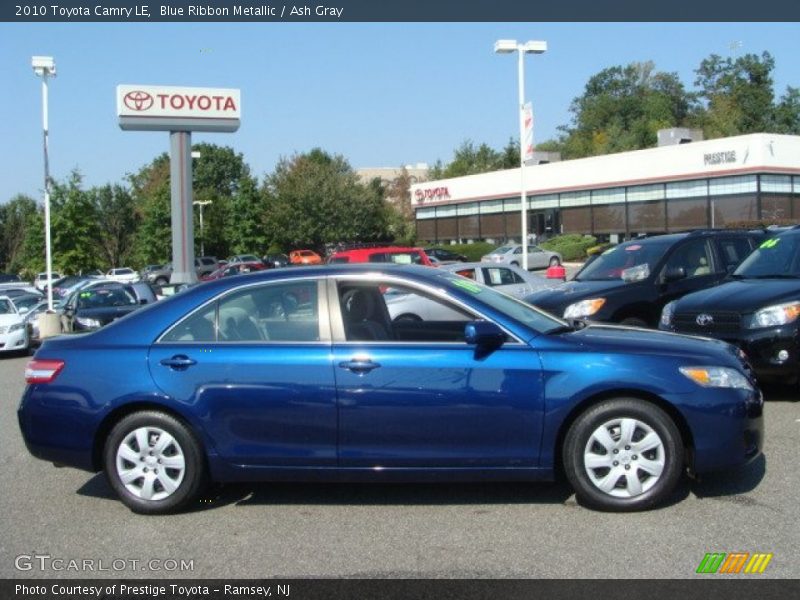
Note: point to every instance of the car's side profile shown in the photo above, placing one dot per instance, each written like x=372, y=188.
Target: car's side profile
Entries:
x=301, y=374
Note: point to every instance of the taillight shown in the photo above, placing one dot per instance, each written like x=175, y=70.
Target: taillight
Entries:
x=43, y=371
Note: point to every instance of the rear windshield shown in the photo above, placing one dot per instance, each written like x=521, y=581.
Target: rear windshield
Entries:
x=398, y=258
x=104, y=298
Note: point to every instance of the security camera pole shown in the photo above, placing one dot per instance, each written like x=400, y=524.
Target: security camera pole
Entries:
x=179, y=110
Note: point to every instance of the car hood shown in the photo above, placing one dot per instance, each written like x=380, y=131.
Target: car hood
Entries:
x=742, y=296
x=6, y=320
x=618, y=338
x=106, y=314
x=565, y=294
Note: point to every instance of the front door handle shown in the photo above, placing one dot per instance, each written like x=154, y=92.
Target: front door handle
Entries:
x=178, y=362
x=359, y=365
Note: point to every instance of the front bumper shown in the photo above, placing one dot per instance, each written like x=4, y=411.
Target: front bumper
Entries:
x=773, y=353
x=14, y=340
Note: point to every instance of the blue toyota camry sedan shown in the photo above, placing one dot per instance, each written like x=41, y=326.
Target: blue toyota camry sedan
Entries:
x=305, y=374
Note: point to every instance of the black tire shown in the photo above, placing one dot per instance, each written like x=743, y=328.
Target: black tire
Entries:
x=634, y=322
x=514, y=263
x=671, y=452
x=194, y=476
x=554, y=261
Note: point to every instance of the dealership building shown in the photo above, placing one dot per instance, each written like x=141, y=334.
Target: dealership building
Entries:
x=674, y=187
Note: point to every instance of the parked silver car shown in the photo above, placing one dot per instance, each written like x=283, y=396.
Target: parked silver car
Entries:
x=406, y=305
x=538, y=258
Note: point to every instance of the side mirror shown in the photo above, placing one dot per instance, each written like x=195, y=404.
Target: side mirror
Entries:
x=674, y=274
x=23, y=309
x=484, y=333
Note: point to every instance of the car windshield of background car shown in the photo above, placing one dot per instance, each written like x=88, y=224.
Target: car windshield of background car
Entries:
x=620, y=261
x=778, y=257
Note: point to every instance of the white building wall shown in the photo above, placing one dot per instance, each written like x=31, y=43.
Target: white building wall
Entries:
x=713, y=158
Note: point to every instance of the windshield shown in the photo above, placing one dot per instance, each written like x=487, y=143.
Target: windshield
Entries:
x=104, y=298
x=776, y=257
x=526, y=314
x=631, y=261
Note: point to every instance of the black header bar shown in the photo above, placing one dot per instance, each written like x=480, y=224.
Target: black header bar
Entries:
x=398, y=10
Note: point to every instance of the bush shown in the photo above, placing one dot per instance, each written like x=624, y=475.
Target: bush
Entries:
x=760, y=224
x=570, y=246
x=599, y=249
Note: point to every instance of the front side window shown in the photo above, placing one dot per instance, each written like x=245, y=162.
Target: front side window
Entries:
x=6, y=308
x=693, y=257
x=280, y=312
x=372, y=312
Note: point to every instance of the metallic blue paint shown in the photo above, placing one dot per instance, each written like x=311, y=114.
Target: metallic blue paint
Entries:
x=428, y=411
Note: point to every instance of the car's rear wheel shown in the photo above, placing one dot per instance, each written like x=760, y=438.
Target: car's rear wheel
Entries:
x=154, y=463
x=623, y=454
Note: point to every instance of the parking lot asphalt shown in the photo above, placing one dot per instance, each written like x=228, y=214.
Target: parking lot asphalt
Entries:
x=381, y=530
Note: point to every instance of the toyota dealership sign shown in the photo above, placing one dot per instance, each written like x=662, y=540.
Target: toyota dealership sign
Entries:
x=166, y=108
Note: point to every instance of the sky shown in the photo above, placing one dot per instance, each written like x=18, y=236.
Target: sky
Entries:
x=380, y=94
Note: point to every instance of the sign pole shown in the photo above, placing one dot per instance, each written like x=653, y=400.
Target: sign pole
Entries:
x=180, y=170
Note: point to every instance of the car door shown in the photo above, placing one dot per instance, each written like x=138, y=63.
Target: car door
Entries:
x=695, y=258
x=537, y=258
x=256, y=363
x=413, y=394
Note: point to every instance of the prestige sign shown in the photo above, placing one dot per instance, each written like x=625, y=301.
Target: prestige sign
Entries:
x=164, y=108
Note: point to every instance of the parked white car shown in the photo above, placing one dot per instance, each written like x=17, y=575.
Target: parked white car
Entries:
x=538, y=258
x=13, y=331
x=41, y=280
x=123, y=275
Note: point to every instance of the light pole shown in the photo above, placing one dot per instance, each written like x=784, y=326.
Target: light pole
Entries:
x=44, y=67
x=201, y=204
x=531, y=47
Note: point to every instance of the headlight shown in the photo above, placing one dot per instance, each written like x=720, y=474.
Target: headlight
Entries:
x=717, y=377
x=667, y=313
x=86, y=322
x=16, y=327
x=771, y=316
x=584, y=308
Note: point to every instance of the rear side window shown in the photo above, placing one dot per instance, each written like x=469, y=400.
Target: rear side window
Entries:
x=285, y=312
x=339, y=260
x=734, y=251
x=500, y=276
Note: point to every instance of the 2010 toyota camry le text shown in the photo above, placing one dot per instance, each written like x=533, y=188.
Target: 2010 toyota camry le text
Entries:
x=309, y=374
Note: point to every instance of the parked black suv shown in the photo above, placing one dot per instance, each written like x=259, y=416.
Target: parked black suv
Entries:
x=630, y=283
x=758, y=309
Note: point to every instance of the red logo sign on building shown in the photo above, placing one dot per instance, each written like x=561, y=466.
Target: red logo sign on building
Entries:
x=438, y=193
x=138, y=100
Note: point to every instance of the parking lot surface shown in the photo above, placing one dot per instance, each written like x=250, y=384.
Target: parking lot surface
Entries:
x=392, y=530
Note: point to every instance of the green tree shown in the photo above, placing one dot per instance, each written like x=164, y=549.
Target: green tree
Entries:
x=75, y=230
x=737, y=95
x=151, y=194
x=16, y=218
x=621, y=109
x=117, y=220
x=469, y=159
x=786, y=117
x=314, y=199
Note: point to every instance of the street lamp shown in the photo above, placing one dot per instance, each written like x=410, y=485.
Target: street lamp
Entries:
x=44, y=67
x=530, y=47
x=201, y=204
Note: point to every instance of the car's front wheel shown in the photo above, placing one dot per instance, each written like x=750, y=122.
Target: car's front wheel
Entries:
x=154, y=463
x=623, y=454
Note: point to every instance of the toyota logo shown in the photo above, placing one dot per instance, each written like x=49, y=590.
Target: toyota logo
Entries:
x=704, y=320
x=138, y=100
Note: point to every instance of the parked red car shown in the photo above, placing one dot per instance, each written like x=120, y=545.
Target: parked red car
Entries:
x=235, y=269
x=386, y=254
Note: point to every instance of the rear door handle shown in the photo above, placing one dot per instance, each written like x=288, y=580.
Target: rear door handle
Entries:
x=359, y=365
x=179, y=362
